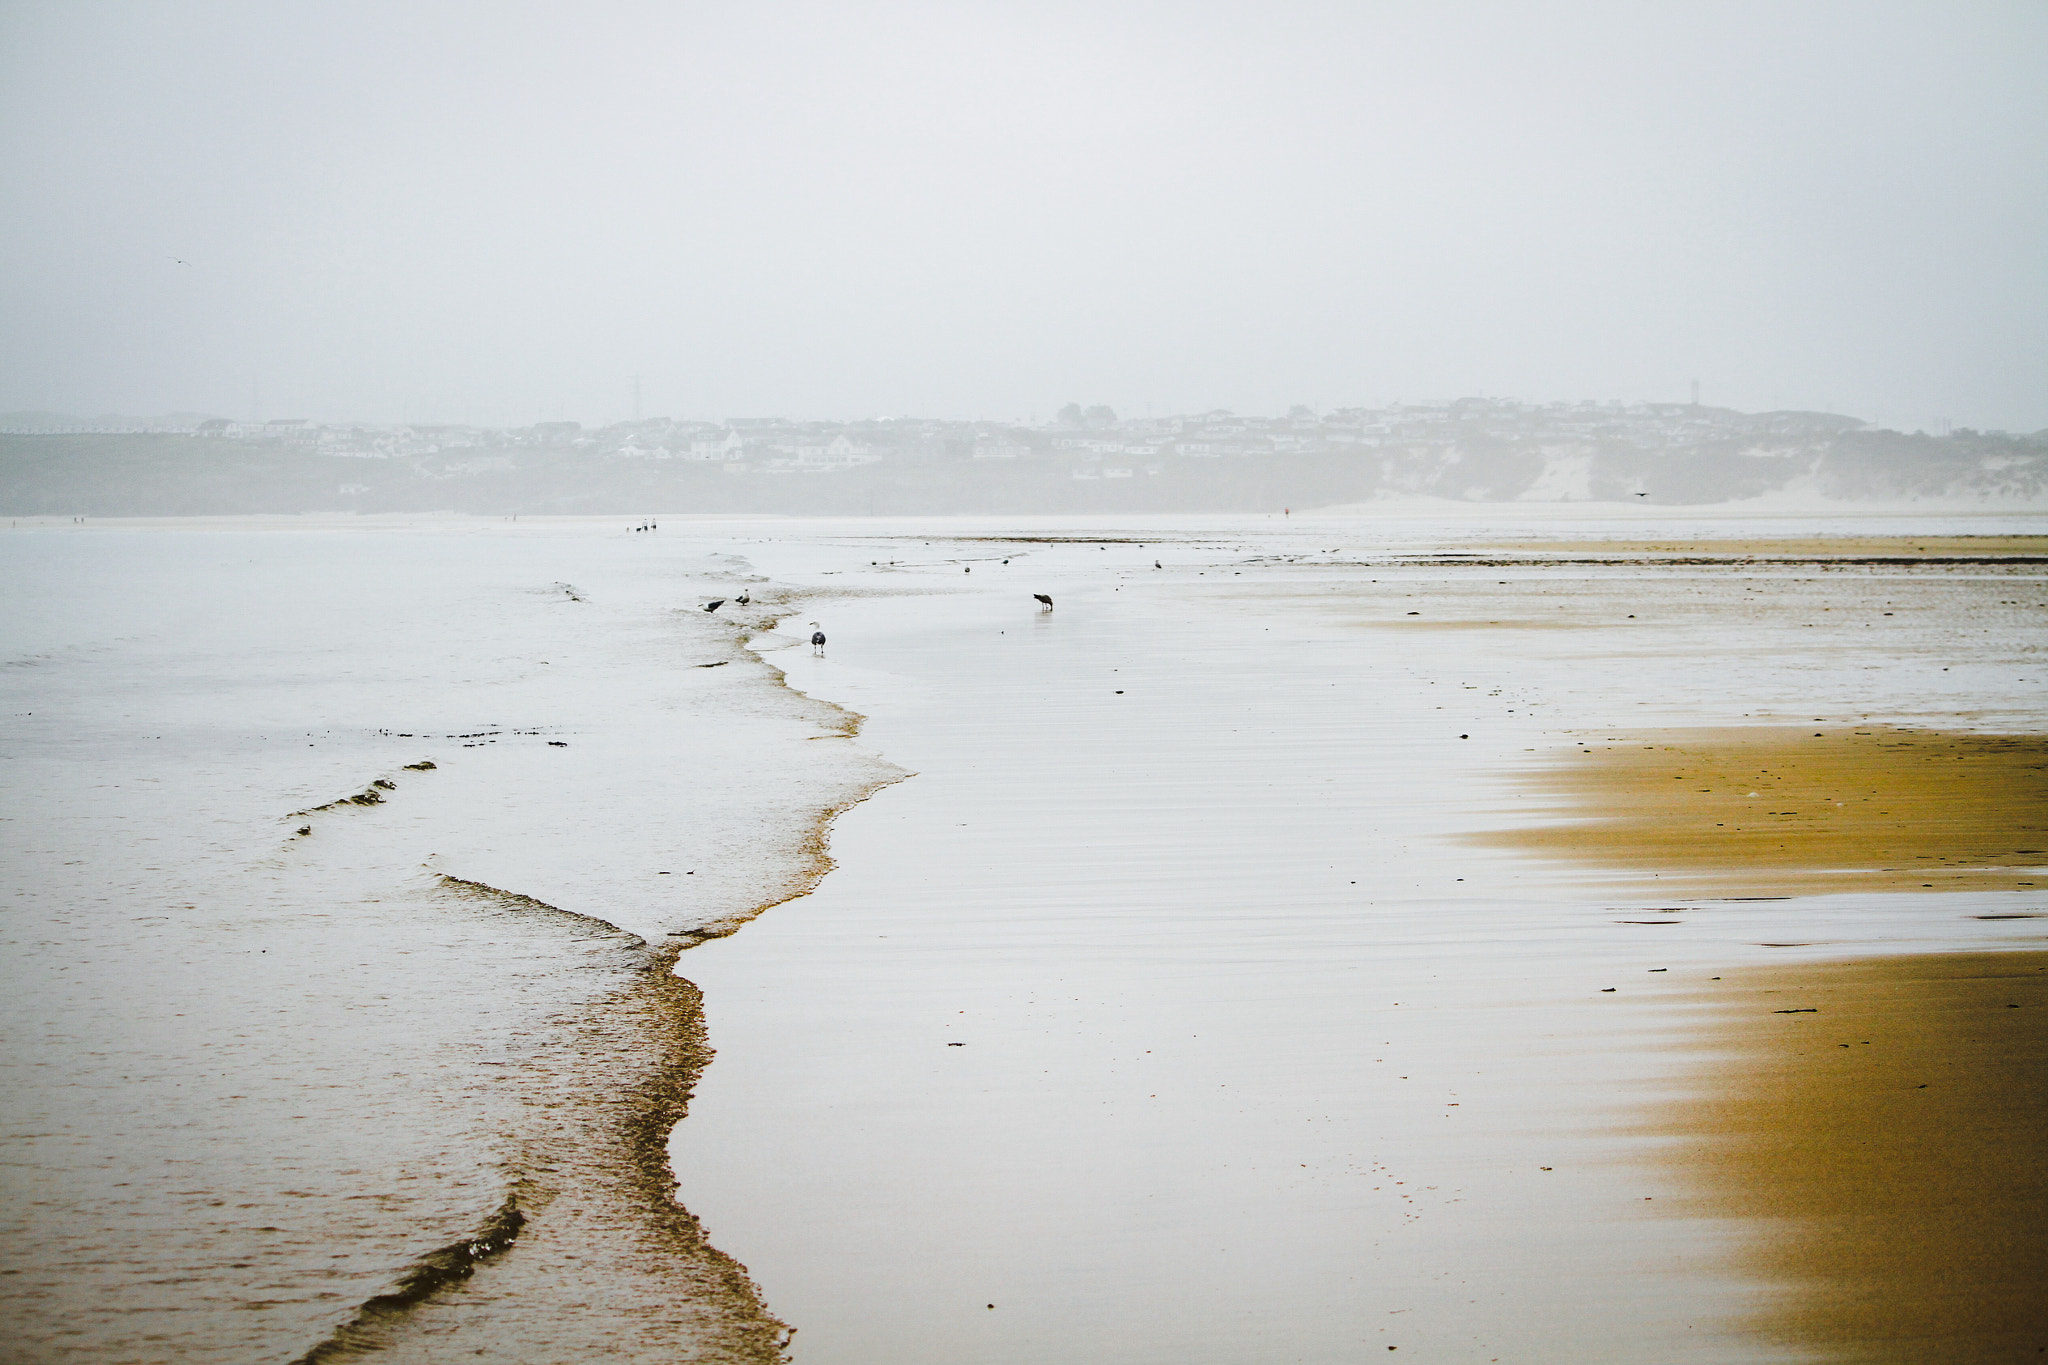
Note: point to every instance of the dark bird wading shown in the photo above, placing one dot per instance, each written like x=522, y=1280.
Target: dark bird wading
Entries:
x=817, y=639
x=1043, y=598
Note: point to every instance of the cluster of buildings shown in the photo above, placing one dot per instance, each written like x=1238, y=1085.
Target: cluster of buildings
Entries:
x=1472, y=449
x=1093, y=442
x=1464, y=447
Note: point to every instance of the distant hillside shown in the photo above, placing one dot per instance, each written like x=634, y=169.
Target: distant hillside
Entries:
x=167, y=475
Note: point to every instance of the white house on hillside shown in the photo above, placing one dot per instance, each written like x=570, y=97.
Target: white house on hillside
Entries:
x=731, y=446
x=842, y=452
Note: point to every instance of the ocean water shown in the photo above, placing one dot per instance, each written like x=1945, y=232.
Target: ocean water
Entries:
x=1256, y=1058
x=253, y=1076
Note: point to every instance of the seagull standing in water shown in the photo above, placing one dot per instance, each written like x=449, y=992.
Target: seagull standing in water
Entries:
x=817, y=639
x=1043, y=598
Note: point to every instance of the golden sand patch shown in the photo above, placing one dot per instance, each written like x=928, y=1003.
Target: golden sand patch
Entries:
x=1782, y=811
x=1794, y=548
x=1885, y=1123
x=1522, y=623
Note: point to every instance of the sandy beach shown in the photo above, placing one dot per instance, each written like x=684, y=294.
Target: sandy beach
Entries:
x=1312, y=936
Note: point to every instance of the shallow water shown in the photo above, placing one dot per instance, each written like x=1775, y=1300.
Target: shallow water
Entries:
x=252, y=1075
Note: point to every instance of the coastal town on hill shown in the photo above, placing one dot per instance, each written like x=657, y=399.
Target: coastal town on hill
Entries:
x=1470, y=449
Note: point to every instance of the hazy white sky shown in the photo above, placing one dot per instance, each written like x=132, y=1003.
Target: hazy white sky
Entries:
x=497, y=211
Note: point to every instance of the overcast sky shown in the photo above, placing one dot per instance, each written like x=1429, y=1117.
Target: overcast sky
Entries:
x=494, y=212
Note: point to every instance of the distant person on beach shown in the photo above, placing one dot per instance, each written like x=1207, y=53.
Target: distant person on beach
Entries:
x=817, y=639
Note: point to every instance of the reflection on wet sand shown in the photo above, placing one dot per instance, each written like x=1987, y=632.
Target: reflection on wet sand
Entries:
x=1781, y=810
x=1878, y=1123
x=1883, y=1121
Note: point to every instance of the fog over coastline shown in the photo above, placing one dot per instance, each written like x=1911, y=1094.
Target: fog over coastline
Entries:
x=1084, y=460
x=497, y=215
x=965, y=682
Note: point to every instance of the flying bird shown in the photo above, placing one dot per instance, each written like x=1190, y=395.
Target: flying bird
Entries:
x=1043, y=598
x=714, y=606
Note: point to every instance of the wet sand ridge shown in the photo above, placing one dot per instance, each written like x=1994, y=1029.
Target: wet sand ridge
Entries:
x=594, y=1256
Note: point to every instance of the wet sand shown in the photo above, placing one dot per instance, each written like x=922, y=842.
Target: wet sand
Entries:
x=1772, y=811
x=1792, y=549
x=1882, y=1126
x=1168, y=1007
x=1879, y=1126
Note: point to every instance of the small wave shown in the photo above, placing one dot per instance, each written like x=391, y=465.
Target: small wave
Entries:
x=429, y=1274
